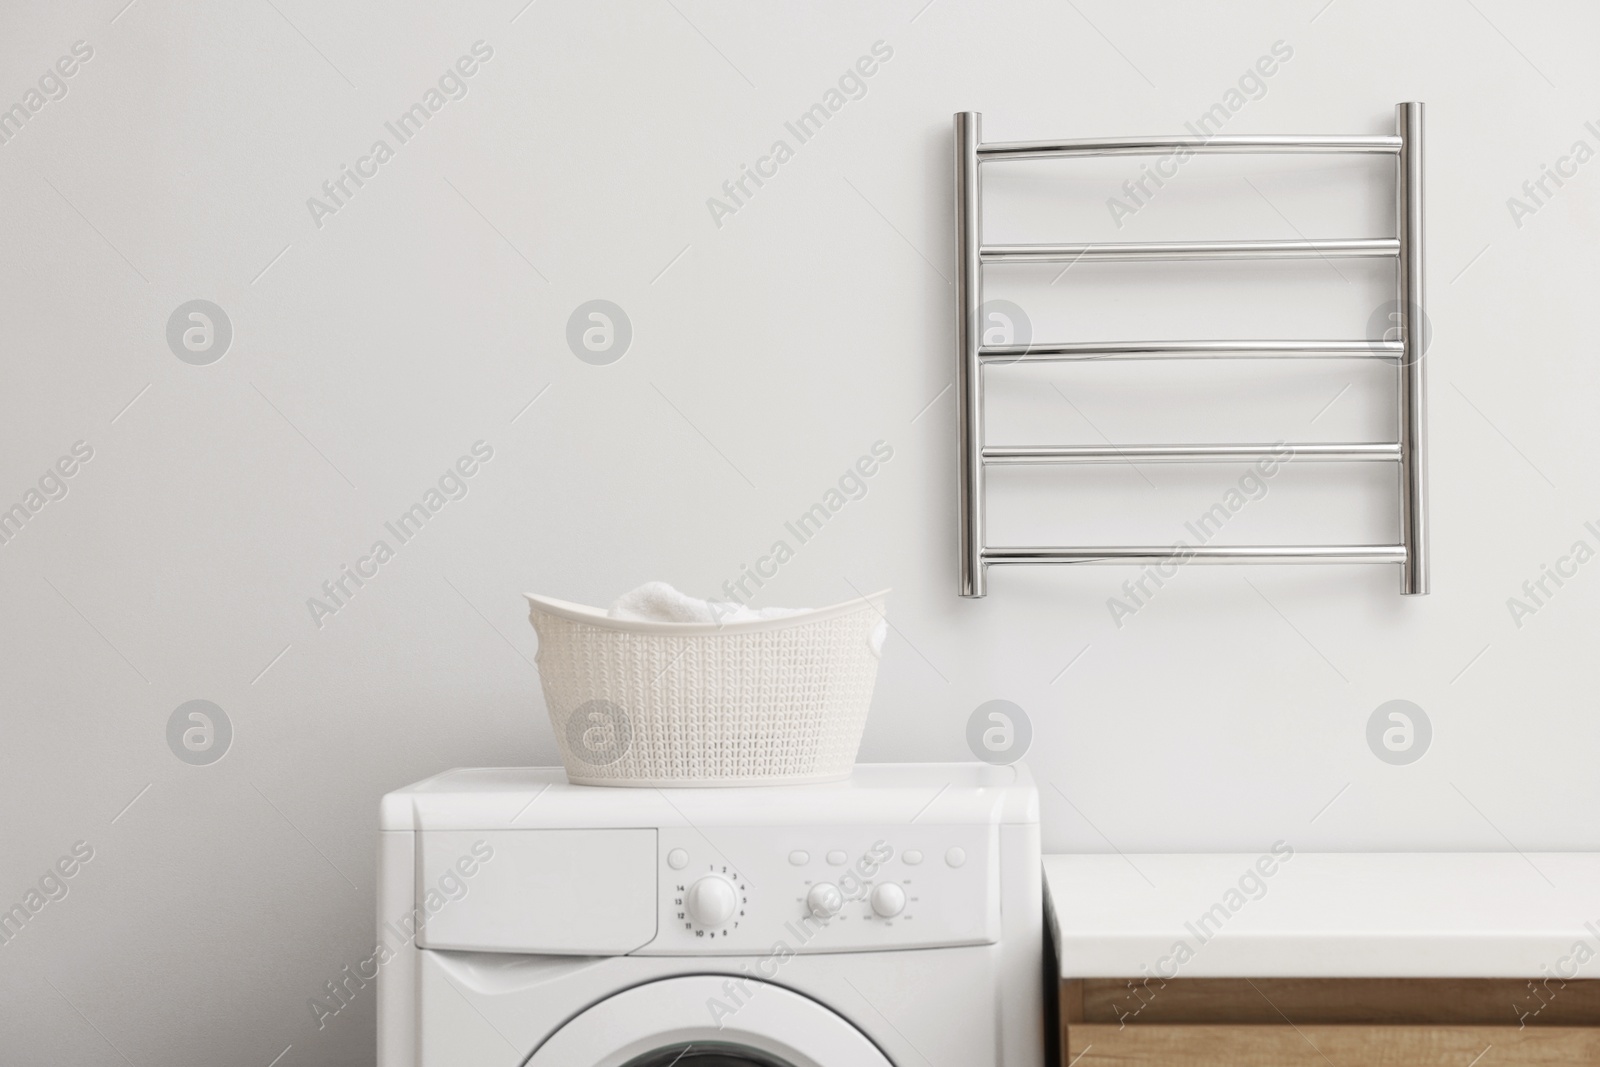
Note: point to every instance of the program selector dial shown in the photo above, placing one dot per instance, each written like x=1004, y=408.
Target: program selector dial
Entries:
x=711, y=901
x=888, y=900
x=824, y=900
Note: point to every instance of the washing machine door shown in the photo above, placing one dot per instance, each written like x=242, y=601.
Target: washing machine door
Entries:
x=697, y=1022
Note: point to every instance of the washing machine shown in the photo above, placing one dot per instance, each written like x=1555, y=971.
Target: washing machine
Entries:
x=891, y=920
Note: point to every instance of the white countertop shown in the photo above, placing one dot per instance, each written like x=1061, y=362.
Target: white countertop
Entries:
x=1356, y=915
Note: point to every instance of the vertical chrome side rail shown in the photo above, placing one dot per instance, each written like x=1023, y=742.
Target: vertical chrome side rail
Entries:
x=969, y=333
x=1413, y=323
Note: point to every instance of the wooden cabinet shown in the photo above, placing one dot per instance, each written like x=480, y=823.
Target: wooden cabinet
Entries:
x=1329, y=1022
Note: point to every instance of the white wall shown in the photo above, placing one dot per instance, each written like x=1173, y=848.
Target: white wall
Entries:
x=768, y=354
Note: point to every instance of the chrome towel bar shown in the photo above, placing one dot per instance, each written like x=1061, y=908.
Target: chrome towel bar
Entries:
x=1156, y=146
x=1332, y=453
x=1159, y=554
x=1340, y=249
x=1405, y=350
x=1189, y=350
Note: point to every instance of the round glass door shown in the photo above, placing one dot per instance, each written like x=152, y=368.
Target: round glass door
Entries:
x=708, y=1054
x=687, y=1022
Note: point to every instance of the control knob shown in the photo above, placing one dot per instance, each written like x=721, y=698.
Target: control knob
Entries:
x=888, y=899
x=824, y=900
x=711, y=901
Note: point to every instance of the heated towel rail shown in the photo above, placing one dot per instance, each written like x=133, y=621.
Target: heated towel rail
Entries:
x=1409, y=452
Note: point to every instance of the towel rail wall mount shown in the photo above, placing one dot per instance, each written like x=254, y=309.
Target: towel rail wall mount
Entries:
x=1409, y=451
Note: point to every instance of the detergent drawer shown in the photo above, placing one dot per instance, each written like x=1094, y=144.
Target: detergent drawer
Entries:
x=556, y=892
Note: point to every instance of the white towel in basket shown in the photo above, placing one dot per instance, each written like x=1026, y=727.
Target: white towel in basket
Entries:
x=660, y=602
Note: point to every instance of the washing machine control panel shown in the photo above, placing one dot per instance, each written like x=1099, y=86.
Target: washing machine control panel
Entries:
x=819, y=889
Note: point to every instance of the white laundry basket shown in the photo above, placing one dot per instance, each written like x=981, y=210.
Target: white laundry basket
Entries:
x=764, y=701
